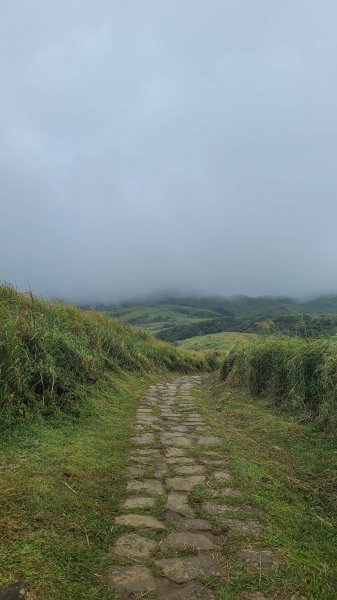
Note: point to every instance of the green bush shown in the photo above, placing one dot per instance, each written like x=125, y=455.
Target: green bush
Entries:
x=298, y=374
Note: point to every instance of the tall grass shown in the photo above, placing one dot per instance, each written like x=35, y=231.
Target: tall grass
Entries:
x=296, y=373
x=48, y=350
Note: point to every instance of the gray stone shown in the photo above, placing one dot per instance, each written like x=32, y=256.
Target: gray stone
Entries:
x=139, y=502
x=179, y=429
x=134, y=579
x=140, y=521
x=238, y=526
x=185, y=484
x=221, y=476
x=219, y=509
x=134, y=546
x=151, y=486
x=182, y=540
x=189, y=524
x=181, y=460
x=188, y=568
x=148, y=452
x=260, y=559
x=179, y=503
x=170, y=452
x=146, y=438
x=209, y=440
x=136, y=471
x=179, y=442
x=190, y=470
x=13, y=591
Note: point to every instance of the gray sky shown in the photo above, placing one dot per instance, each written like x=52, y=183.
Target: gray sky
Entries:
x=151, y=145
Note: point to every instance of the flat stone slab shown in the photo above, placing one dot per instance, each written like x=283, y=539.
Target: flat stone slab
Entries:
x=219, y=509
x=238, y=526
x=182, y=540
x=151, y=486
x=134, y=546
x=181, y=460
x=131, y=579
x=146, y=438
x=139, y=502
x=260, y=559
x=135, y=470
x=189, y=524
x=192, y=591
x=190, y=470
x=140, y=521
x=185, y=484
x=170, y=452
x=179, y=429
x=179, y=503
x=148, y=452
x=208, y=440
x=221, y=476
x=188, y=568
x=179, y=442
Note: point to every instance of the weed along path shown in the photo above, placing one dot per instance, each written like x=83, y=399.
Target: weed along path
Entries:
x=182, y=513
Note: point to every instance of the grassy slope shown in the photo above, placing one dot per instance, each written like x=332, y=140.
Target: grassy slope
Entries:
x=287, y=471
x=218, y=342
x=155, y=318
x=56, y=539
x=296, y=374
x=49, y=350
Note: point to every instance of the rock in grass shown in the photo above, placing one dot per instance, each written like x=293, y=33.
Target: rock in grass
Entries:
x=131, y=580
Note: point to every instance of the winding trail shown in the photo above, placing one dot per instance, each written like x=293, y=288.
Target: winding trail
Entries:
x=169, y=541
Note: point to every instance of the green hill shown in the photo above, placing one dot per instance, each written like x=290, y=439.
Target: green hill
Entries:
x=159, y=315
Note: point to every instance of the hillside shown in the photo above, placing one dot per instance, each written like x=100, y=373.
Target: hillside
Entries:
x=50, y=350
x=158, y=315
x=301, y=325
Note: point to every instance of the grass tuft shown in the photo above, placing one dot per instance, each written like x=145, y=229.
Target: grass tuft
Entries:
x=297, y=374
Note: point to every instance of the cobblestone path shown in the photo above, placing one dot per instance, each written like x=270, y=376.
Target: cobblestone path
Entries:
x=169, y=542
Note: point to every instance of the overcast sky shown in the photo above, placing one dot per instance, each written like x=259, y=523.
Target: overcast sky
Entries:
x=184, y=145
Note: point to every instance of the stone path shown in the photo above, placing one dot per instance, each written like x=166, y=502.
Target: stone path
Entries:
x=168, y=541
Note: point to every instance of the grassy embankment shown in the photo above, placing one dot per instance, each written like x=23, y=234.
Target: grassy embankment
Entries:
x=298, y=375
x=286, y=471
x=69, y=383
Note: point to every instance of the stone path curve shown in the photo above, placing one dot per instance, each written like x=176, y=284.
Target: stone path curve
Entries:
x=166, y=547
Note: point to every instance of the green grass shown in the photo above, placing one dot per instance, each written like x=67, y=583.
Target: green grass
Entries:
x=287, y=472
x=49, y=350
x=61, y=487
x=297, y=374
x=218, y=342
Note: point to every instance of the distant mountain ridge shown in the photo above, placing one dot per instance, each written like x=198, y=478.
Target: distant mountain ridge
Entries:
x=159, y=315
